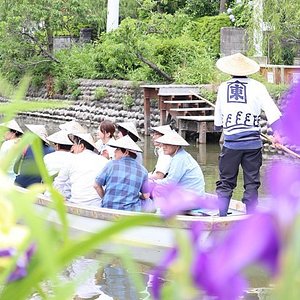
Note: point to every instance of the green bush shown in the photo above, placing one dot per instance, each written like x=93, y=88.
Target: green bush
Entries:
x=207, y=30
x=100, y=93
x=128, y=101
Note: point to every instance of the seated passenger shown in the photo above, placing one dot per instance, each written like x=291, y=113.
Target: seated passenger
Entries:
x=11, y=138
x=163, y=161
x=56, y=160
x=128, y=128
x=26, y=166
x=184, y=170
x=106, y=133
x=81, y=171
x=125, y=180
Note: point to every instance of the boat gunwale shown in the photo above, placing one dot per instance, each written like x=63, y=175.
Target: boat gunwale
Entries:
x=180, y=221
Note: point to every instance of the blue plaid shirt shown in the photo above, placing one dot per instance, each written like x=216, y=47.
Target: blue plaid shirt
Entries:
x=123, y=179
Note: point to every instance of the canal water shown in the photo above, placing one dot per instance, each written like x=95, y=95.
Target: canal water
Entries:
x=109, y=279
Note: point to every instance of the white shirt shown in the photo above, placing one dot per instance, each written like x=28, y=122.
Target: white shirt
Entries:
x=239, y=104
x=5, y=149
x=56, y=160
x=101, y=147
x=81, y=173
x=163, y=162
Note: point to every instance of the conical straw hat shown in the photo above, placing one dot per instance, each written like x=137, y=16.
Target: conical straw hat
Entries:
x=13, y=125
x=238, y=65
x=84, y=136
x=172, y=138
x=39, y=130
x=125, y=142
x=164, y=129
x=129, y=126
x=72, y=127
x=60, y=137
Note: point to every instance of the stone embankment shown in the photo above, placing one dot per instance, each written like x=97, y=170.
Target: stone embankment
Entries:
x=120, y=101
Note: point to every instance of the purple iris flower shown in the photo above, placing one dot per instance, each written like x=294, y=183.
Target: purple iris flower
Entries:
x=217, y=268
x=290, y=122
x=20, y=270
x=172, y=199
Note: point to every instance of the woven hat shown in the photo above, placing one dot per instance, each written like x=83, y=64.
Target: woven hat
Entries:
x=129, y=126
x=72, y=127
x=238, y=65
x=84, y=136
x=172, y=138
x=39, y=130
x=164, y=129
x=125, y=142
x=13, y=125
x=60, y=137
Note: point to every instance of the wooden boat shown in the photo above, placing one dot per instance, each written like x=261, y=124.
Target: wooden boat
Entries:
x=146, y=243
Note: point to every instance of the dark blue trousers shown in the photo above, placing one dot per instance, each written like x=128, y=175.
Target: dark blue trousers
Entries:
x=229, y=162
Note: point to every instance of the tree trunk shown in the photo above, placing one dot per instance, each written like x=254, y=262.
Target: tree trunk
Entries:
x=222, y=6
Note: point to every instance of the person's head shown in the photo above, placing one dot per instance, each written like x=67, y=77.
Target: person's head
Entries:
x=40, y=131
x=125, y=146
x=171, y=142
x=14, y=130
x=106, y=130
x=237, y=65
x=82, y=141
x=157, y=132
x=60, y=140
x=128, y=128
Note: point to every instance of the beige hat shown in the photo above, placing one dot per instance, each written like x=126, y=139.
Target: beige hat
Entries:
x=39, y=130
x=172, y=138
x=84, y=136
x=238, y=65
x=125, y=142
x=13, y=125
x=129, y=126
x=164, y=129
x=72, y=127
x=60, y=137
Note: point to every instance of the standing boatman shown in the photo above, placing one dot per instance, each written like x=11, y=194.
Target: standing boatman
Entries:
x=237, y=112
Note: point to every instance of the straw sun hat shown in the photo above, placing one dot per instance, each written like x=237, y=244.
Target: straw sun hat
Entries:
x=125, y=142
x=172, y=138
x=129, y=126
x=164, y=129
x=39, y=130
x=237, y=65
x=72, y=127
x=13, y=125
x=60, y=137
x=84, y=136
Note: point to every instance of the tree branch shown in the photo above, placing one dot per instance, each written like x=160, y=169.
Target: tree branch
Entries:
x=45, y=52
x=154, y=67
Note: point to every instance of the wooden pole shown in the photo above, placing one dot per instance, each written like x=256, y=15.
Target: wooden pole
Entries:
x=202, y=98
x=280, y=146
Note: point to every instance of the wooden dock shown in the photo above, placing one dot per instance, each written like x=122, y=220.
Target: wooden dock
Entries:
x=183, y=104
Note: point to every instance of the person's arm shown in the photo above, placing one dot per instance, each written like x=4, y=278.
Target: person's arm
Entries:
x=157, y=175
x=62, y=182
x=218, y=122
x=99, y=189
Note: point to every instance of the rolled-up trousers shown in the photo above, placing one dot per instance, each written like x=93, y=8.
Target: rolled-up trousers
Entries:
x=229, y=161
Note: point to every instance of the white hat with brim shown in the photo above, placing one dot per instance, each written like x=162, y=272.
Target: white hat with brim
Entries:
x=164, y=129
x=237, y=65
x=172, y=138
x=84, y=136
x=125, y=142
x=13, y=125
x=39, y=130
x=72, y=127
x=129, y=126
x=60, y=137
